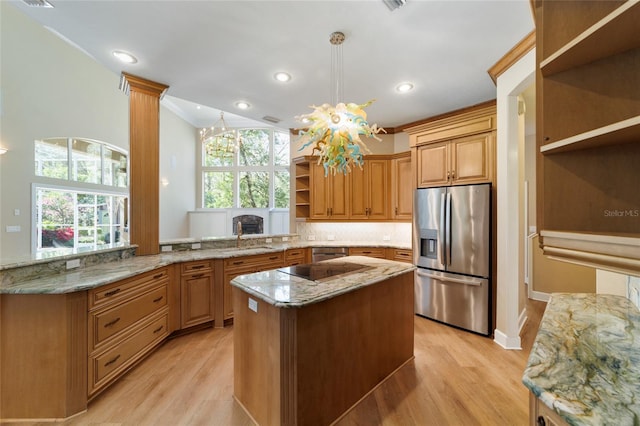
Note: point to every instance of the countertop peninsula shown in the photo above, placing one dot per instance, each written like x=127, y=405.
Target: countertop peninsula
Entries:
x=283, y=290
x=585, y=361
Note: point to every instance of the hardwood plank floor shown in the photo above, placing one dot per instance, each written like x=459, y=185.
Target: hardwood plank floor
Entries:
x=456, y=378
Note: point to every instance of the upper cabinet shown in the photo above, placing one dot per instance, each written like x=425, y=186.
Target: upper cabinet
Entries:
x=455, y=149
x=588, y=131
x=379, y=191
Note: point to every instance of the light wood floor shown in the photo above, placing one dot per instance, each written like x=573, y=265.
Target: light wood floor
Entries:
x=457, y=378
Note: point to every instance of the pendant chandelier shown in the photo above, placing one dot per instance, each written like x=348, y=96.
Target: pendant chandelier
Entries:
x=334, y=131
x=220, y=139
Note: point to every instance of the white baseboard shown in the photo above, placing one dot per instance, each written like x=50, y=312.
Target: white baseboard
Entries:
x=505, y=341
x=522, y=319
x=539, y=296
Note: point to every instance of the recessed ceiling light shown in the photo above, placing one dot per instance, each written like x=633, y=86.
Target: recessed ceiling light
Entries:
x=125, y=57
x=242, y=105
x=282, y=76
x=404, y=87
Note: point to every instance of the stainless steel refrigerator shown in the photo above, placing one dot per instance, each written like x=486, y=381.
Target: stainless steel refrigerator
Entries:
x=452, y=250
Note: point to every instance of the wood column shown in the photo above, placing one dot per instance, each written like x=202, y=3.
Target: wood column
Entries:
x=144, y=158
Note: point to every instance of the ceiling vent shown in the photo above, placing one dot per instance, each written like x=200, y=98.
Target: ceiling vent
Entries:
x=38, y=3
x=270, y=119
x=394, y=4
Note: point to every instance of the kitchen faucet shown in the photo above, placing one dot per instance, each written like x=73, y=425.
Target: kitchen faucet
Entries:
x=239, y=232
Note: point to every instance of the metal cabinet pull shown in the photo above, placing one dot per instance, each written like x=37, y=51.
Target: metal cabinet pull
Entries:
x=112, y=322
x=197, y=275
x=157, y=330
x=112, y=292
x=111, y=361
x=273, y=257
x=156, y=276
x=157, y=299
x=238, y=262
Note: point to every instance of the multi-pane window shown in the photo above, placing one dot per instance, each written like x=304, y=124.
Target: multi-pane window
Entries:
x=253, y=175
x=88, y=205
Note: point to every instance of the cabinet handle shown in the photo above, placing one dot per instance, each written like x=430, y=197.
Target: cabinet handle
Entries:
x=157, y=299
x=112, y=292
x=197, y=267
x=366, y=252
x=156, y=276
x=112, y=323
x=197, y=275
x=396, y=211
x=448, y=175
x=327, y=211
x=453, y=174
x=157, y=330
x=273, y=257
x=540, y=421
x=238, y=262
x=331, y=211
x=111, y=361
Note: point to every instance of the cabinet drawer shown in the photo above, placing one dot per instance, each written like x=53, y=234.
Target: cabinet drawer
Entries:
x=295, y=256
x=107, y=365
x=402, y=255
x=260, y=262
x=109, y=322
x=121, y=290
x=368, y=251
x=190, y=267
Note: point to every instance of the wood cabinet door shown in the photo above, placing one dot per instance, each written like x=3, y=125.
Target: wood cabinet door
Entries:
x=197, y=304
x=401, y=189
x=377, y=183
x=359, y=200
x=339, y=200
x=319, y=208
x=472, y=159
x=433, y=165
x=226, y=291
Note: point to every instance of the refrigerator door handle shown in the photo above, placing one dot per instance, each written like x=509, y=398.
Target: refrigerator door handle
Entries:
x=448, y=229
x=470, y=281
x=441, y=231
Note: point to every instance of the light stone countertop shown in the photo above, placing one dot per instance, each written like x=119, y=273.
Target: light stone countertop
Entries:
x=93, y=276
x=585, y=361
x=287, y=291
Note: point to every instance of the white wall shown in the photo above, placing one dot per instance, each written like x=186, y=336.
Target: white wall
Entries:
x=49, y=89
x=178, y=141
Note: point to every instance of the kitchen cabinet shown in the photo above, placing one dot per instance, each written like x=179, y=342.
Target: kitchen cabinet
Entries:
x=541, y=415
x=379, y=252
x=302, y=187
x=369, y=187
x=127, y=319
x=401, y=187
x=588, y=132
x=401, y=255
x=456, y=148
x=196, y=293
x=329, y=194
x=456, y=162
x=296, y=256
x=244, y=265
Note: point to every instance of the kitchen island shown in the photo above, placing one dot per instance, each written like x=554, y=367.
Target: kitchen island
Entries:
x=584, y=366
x=306, y=350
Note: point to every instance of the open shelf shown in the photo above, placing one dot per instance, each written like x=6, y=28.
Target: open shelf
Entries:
x=615, y=33
x=620, y=132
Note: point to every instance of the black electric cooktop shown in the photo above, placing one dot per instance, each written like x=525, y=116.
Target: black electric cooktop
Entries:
x=322, y=270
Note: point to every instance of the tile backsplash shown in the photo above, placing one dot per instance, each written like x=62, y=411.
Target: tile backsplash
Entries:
x=370, y=232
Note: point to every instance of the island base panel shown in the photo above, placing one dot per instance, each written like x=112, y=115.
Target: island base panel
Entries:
x=309, y=365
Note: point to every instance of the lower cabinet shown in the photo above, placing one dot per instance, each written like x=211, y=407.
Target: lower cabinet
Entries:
x=127, y=319
x=297, y=256
x=400, y=255
x=196, y=293
x=245, y=265
x=379, y=252
x=541, y=415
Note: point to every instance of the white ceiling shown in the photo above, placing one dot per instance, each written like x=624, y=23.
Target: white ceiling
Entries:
x=215, y=53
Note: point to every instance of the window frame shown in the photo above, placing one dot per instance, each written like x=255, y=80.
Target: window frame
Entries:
x=236, y=169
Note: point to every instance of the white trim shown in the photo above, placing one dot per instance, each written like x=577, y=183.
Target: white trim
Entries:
x=506, y=342
x=539, y=296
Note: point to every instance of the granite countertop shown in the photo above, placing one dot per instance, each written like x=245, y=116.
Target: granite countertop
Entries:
x=284, y=290
x=105, y=273
x=585, y=361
